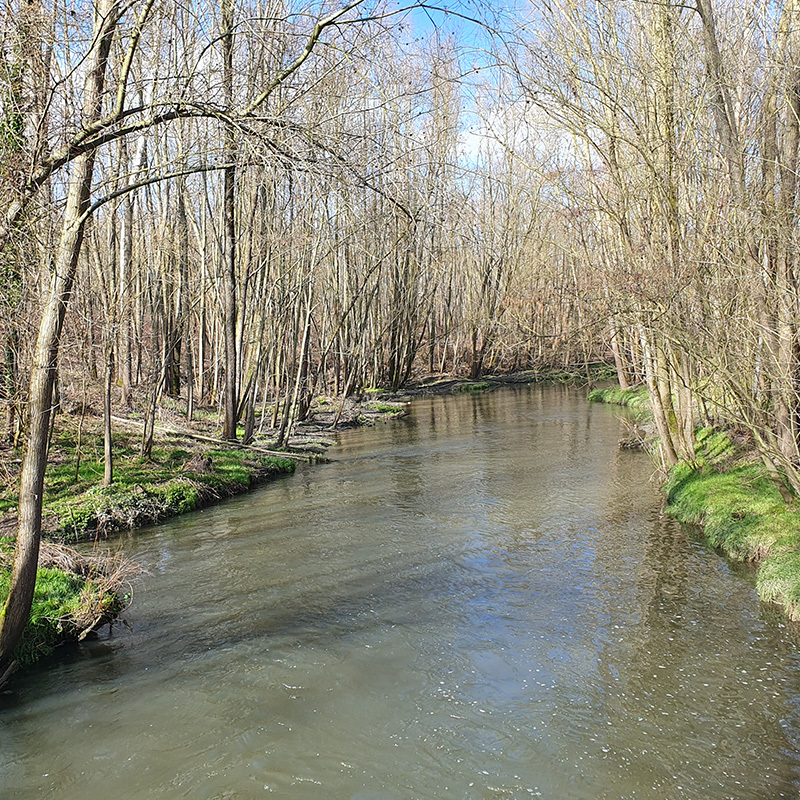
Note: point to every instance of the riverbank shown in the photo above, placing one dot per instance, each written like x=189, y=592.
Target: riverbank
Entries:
x=75, y=595
x=187, y=469
x=727, y=493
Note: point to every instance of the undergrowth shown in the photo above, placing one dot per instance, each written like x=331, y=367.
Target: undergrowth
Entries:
x=474, y=387
x=575, y=374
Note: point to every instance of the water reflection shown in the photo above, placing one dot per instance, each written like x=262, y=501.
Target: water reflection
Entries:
x=479, y=601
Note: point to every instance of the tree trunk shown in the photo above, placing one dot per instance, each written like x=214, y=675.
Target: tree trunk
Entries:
x=231, y=405
x=108, y=455
x=43, y=371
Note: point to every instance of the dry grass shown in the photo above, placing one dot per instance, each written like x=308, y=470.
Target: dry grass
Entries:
x=75, y=594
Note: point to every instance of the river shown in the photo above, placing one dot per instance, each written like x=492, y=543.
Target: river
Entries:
x=482, y=600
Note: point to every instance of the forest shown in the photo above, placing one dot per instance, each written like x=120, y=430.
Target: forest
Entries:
x=235, y=207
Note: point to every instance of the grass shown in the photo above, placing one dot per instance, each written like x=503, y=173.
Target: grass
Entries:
x=634, y=399
x=386, y=408
x=174, y=480
x=742, y=513
x=65, y=605
x=474, y=386
x=56, y=598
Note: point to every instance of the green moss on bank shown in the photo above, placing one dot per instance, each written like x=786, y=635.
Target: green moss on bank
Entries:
x=390, y=409
x=634, y=399
x=144, y=493
x=727, y=493
x=742, y=513
x=474, y=387
x=172, y=481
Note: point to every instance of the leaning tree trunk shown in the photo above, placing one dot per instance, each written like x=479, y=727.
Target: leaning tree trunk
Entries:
x=43, y=372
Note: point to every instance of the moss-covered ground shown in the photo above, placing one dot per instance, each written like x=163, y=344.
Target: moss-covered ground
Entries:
x=173, y=480
x=727, y=492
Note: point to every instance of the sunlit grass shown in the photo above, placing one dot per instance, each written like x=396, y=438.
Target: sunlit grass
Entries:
x=742, y=513
x=634, y=399
x=386, y=408
x=173, y=480
x=59, y=605
x=473, y=386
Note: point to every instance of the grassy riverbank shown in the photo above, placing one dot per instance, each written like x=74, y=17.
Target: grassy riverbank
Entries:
x=74, y=595
x=183, y=472
x=174, y=479
x=728, y=494
x=634, y=399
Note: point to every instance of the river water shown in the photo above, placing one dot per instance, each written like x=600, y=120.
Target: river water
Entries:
x=482, y=600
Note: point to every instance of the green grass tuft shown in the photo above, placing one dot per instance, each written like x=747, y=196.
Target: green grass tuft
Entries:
x=386, y=408
x=181, y=496
x=779, y=580
x=474, y=386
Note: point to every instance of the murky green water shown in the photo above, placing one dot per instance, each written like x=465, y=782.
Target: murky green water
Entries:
x=479, y=601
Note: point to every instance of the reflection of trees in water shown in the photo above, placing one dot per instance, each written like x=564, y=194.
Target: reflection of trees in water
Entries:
x=495, y=536
x=674, y=655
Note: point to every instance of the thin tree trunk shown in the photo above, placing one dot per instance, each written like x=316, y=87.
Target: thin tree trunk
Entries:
x=108, y=455
x=231, y=405
x=43, y=371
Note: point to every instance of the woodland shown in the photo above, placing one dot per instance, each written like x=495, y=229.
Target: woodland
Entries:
x=234, y=207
